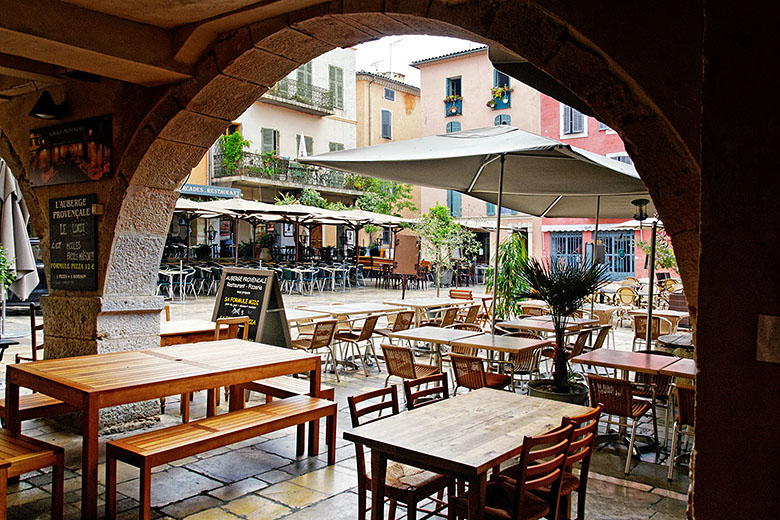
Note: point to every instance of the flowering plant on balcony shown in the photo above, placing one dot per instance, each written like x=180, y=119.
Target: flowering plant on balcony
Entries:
x=501, y=92
x=270, y=163
x=452, y=98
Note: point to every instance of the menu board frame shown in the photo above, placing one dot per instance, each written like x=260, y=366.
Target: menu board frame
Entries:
x=73, y=243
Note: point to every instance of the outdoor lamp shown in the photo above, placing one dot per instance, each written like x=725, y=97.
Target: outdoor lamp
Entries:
x=46, y=108
x=641, y=209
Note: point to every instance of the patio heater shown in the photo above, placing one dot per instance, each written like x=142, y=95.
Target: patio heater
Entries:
x=641, y=215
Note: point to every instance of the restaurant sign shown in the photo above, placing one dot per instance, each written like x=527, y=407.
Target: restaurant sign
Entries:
x=211, y=191
x=77, y=151
x=73, y=243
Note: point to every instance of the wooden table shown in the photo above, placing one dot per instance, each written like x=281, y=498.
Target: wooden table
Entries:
x=99, y=381
x=421, y=306
x=353, y=308
x=684, y=368
x=463, y=437
x=625, y=360
x=435, y=335
x=503, y=344
x=545, y=324
x=675, y=341
x=187, y=331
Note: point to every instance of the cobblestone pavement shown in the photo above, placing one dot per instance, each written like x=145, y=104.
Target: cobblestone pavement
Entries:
x=262, y=479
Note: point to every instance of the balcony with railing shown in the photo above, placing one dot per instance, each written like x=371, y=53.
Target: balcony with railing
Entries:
x=262, y=169
x=305, y=97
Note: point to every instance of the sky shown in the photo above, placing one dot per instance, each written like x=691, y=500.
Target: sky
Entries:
x=377, y=56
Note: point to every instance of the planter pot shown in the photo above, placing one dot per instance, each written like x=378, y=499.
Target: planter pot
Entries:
x=579, y=396
x=265, y=254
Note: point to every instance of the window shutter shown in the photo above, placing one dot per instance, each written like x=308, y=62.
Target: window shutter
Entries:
x=577, y=122
x=267, y=140
x=309, y=142
x=567, y=122
x=490, y=209
x=336, y=85
x=387, y=124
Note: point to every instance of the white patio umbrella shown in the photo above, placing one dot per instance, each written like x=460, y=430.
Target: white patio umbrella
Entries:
x=505, y=166
x=15, y=239
x=302, y=146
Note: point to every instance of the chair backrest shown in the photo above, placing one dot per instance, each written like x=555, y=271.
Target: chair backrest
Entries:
x=686, y=404
x=525, y=360
x=542, y=463
x=399, y=361
x=471, y=314
x=356, y=412
x=626, y=295
x=469, y=371
x=35, y=326
x=368, y=328
x=583, y=437
x=460, y=294
x=437, y=389
x=614, y=395
x=233, y=325
x=663, y=384
x=403, y=320
x=533, y=310
x=323, y=334
x=473, y=327
x=630, y=280
x=601, y=337
x=448, y=318
x=579, y=343
x=661, y=326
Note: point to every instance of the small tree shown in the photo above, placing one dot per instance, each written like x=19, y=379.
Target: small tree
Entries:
x=512, y=257
x=664, y=252
x=232, y=149
x=441, y=236
x=7, y=273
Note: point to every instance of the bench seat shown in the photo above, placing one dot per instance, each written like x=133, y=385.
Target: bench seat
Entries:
x=34, y=406
x=150, y=449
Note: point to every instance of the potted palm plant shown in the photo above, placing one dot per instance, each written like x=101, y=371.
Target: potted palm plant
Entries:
x=563, y=287
x=264, y=242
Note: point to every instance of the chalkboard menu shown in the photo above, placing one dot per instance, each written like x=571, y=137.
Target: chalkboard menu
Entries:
x=73, y=243
x=254, y=293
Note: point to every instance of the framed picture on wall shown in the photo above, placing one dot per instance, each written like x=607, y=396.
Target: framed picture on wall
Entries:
x=288, y=230
x=350, y=237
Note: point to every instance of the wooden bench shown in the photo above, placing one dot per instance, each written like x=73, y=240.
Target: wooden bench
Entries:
x=165, y=445
x=34, y=406
x=21, y=454
x=461, y=294
x=283, y=387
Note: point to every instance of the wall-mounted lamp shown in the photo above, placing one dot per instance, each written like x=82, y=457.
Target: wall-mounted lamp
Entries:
x=46, y=108
x=641, y=209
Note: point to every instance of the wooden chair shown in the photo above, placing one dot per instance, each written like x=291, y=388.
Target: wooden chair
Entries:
x=427, y=395
x=354, y=340
x=403, y=320
x=686, y=406
x=400, y=363
x=677, y=302
x=35, y=326
x=447, y=318
x=470, y=373
x=617, y=398
x=321, y=338
x=542, y=462
x=532, y=310
x=460, y=294
x=403, y=484
x=580, y=450
x=20, y=454
x=661, y=326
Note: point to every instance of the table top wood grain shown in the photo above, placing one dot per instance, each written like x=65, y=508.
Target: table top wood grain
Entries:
x=188, y=326
x=507, y=344
x=681, y=368
x=466, y=434
x=433, y=334
x=425, y=303
x=625, y=360
x=545, y=324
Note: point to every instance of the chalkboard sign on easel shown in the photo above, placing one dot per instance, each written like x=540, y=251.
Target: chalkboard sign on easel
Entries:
x=254, y=293
x=73, y=243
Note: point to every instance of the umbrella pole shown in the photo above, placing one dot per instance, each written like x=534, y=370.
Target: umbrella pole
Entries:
x=235, y=239
x=189, y=223
x=296, y=243
x=595, y=245
x=498, y=245
x=650, y=286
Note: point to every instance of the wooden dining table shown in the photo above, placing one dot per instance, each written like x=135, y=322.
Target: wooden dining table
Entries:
x=545, y=324
x=462, y=437
x=437, y=336
x=421, y=306
x=192, y=330
x=501, y=344
x=90, y=383
x=683, y=368
x=625, y=361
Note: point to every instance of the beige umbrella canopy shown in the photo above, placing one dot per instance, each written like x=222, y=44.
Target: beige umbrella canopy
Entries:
x=13, y=234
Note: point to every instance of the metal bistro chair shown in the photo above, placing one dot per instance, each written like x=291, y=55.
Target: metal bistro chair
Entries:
x=400, y=363
x=354, y=340
x=322, y=337
x=655, y=388
x=525, y=363
x=661, y=326
x=683, y=423
x=470, y=373
x=447, y=318
x=403, y=320
x=403, y=484
x=617, y=398
x=626, y=299
x=572, y=349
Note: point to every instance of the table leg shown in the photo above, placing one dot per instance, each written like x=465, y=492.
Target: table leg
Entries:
x=13, y=421
x=378, y=476
x=476, y=495
x=315, y=379
x=89, y=460
x=236, y=400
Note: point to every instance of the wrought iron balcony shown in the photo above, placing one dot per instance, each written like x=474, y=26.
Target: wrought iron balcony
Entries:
x=285, y=173
x=301, y=96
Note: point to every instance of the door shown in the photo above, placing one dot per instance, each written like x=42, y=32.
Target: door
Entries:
x=566, y=246
x=618, y=253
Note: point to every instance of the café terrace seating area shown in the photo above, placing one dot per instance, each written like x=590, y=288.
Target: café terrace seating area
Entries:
x=406, y=387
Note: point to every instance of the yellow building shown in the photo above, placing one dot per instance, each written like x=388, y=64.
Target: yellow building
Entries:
x=387, y=108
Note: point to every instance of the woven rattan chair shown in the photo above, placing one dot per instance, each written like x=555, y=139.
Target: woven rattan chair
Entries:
x=470, y=316
x=436, y=389
x=403, y=320
x=626, y=298
x=532, y=310
x=542, y=463
x=447, y=318
x=683, y=423
x=661, y=326
x=470, y=373
x=321, y=338
x=525, y=363
x=405, y=484
x=656, y=389
x=400, y=363
x=572, y=349
x=617, y=398
x=353, y=341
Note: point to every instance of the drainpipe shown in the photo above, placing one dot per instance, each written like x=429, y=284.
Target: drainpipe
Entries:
x=373, y=78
